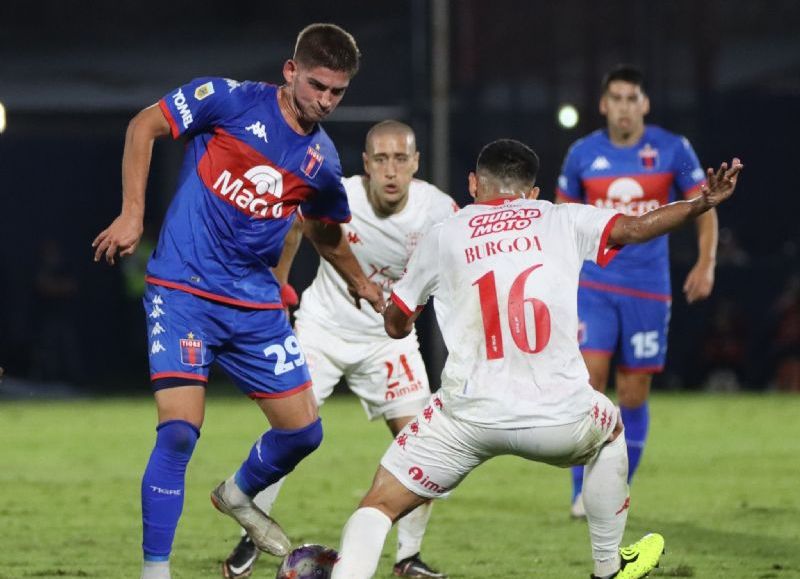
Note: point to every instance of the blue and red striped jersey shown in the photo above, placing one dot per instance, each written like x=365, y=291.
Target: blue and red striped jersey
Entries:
x=657, y=170
x=246, y=175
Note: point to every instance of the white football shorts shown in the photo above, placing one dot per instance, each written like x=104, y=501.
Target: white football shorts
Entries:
x=387, y=375
x=435, y=452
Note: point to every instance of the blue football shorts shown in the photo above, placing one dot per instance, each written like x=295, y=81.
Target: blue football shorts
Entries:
x=256, y=348
x=629, y=325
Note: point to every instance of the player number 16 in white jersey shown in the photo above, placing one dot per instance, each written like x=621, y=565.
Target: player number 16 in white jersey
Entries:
x=490, y=312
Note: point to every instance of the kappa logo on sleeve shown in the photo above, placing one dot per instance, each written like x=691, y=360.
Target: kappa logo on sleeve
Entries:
x=204, y=90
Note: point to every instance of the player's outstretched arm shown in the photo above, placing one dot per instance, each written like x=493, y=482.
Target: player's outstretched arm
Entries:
x=125, y=231
x=331, y=244
x=720, y=185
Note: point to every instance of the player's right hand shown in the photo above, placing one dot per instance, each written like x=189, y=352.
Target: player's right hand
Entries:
x=721, y=183
x=122, y=235
x=371, y=292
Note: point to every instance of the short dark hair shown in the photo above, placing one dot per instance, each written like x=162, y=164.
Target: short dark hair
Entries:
x=509, y=160
x=624, y=72
x=327, y=45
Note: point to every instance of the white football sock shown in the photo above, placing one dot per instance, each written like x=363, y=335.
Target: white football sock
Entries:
x=411, y=529
x=605, y=497
x=155, y=570
x=362, y=542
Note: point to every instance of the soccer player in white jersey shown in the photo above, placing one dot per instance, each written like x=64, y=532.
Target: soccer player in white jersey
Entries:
x=504, y=272
x=390, y=211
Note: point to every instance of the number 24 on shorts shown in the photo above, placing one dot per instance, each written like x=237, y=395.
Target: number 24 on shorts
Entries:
x=290, y=348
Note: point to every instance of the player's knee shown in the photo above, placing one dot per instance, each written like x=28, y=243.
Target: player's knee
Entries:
x=292, y=446
x=633, y=389
x=177, y=436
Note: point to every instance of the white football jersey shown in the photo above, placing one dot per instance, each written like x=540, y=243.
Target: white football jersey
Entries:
x=383, y=246
x=504, y=276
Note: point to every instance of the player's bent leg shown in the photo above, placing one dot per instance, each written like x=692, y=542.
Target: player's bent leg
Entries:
x=605, y=487
x=163, y=486
x=365, y=532
x=411, y=528
x=325, y=374
x=180, y=412
x=599, y=366
x=605, y=497
x=296, y=432
x=362, y=541
x=633, y=390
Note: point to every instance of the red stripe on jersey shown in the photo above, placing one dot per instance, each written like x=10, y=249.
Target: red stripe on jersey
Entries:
x=239, y=175
x=187, y=375
x=604, y=253
x=303, y=386
x=213, y=297
x=401, y=304
x=629, y=194
x=625, y=291
x=173, y=126
x=694, y=191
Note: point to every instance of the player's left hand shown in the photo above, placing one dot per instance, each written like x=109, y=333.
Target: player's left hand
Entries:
x=699, y=282
x=721, y=183
x=371, y=292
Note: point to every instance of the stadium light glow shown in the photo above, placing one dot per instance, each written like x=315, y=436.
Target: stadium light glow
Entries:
x=567, y=116
x=2, y=118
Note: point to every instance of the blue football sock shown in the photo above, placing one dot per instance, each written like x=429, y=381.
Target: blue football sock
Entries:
x=275, y=455
x=163, y=487
x=636, y=421
x=577, y=481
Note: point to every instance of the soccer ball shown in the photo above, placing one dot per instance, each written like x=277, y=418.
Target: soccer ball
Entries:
x=308, y=562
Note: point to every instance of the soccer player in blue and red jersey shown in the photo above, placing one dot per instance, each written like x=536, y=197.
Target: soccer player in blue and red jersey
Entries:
x=624, y=308
x=256, y=160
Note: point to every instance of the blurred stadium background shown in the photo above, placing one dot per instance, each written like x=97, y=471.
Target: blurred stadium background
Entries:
x=725, y=74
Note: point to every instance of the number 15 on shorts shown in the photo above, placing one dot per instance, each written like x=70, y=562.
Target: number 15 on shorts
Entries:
x=645, y=344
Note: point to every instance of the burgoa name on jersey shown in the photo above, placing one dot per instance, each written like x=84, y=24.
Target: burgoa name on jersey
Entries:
x=265, y=178
x=507, y=220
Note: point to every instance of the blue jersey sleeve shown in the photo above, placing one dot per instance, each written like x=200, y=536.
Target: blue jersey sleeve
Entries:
x=689, y=175
x=329, y=203
x=198, y=105
x=569, y=182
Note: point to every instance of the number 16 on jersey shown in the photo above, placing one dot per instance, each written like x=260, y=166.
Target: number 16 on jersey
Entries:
x=522, y=330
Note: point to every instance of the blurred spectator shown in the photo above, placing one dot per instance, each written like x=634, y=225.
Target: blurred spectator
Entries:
x=56, y=354
x=785, y=347
x=724, y=350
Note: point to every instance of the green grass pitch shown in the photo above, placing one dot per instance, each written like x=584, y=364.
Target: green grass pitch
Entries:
x=720, y=479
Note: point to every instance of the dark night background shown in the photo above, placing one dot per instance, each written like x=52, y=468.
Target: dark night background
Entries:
x=724, y=74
